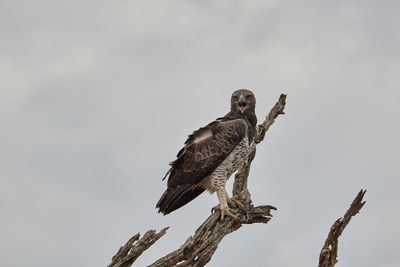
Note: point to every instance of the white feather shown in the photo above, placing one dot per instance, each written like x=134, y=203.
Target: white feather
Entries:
x=203, y=136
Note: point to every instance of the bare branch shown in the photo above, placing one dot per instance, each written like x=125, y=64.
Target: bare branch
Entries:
x=328, y=255
x=127, y=254
x=198, y=249
x=270, y=119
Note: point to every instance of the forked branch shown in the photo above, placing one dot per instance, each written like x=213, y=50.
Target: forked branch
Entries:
x=127, y=254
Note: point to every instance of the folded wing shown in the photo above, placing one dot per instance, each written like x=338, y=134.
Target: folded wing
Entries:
x=204, y=150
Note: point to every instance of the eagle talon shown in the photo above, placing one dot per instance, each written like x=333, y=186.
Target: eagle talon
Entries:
x=225, y=211
x=213, y=210
x=229, y=212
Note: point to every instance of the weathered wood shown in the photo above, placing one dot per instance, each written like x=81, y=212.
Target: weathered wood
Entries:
x=199, y=248
x=127, y=254
x=328, y=255
x=276, y=110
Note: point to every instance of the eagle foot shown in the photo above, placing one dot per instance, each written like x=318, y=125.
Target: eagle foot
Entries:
x=225, y=211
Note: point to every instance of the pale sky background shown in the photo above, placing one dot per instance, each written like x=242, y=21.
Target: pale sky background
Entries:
x=98, y=96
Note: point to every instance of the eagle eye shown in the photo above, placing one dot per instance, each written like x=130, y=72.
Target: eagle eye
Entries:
x=235, y=98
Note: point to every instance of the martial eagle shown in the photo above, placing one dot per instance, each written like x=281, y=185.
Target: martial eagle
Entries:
x=211, y=155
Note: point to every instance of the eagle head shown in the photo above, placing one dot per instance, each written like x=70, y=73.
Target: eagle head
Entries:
x=243, y=100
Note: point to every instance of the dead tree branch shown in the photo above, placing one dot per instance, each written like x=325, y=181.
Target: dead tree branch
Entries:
x=199, y=248
x=127, y=254
x=328, y=255
x=270, y=119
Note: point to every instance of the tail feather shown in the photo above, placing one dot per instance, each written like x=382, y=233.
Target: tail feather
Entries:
x=174, y=198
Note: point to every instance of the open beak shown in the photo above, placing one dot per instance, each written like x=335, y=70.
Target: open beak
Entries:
x=242, y=104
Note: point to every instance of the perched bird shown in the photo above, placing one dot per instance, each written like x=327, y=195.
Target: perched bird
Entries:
x=211, y=155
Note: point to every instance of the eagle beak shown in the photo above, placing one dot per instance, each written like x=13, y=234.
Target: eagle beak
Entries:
x=242, y=104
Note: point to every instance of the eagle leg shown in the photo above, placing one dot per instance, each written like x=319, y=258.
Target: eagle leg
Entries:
x=223, y=204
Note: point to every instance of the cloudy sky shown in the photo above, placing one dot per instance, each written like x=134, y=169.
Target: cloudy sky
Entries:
x=96, y=97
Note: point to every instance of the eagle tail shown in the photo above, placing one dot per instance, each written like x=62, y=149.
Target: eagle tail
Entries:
x=174, y=198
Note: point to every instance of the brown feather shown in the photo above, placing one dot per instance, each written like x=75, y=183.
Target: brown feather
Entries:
x=174, y=198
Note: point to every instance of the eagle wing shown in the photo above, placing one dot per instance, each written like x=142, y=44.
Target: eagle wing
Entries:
x=204, y=150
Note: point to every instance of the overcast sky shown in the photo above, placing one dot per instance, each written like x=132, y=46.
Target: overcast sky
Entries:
x=96, y=97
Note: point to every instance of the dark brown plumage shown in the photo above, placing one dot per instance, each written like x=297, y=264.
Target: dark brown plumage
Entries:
x=211, y=153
